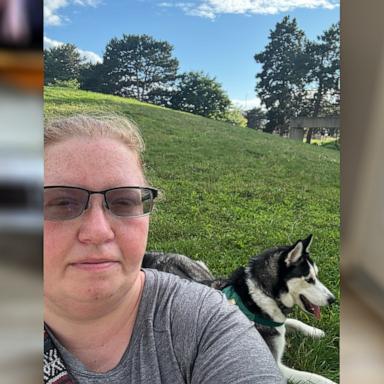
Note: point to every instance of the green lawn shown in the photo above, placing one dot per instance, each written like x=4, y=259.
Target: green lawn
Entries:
x=229, y=193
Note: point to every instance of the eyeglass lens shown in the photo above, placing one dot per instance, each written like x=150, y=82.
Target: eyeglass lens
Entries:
x=62, y=203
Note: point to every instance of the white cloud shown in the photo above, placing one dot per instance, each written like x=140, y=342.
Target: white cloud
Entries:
x=88, y=56
x=247, y=104
x=52, y=8
x=49, y=43
x=211, y=8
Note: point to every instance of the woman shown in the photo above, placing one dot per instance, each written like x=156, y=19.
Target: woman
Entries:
x=107, y=320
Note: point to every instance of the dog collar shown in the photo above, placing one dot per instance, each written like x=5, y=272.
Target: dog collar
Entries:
x=231, y=294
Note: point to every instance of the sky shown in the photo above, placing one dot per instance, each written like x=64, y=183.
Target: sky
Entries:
x=218, y=37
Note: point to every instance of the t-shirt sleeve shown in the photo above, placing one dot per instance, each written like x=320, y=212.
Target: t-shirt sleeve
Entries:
x=224, y=346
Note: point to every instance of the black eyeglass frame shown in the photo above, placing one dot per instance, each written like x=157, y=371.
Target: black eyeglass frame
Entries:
x=154, y=194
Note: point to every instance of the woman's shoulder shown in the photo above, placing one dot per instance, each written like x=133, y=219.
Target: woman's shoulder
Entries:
x=204, y=331
x=169, y=289
x=183, y=301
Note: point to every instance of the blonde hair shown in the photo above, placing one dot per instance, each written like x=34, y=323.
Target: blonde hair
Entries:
x=111, y=126
x=94, y=126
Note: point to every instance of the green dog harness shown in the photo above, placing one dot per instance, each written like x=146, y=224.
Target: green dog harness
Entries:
x=231, y=294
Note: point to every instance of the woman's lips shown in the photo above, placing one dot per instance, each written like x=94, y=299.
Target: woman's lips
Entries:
x=95, y=265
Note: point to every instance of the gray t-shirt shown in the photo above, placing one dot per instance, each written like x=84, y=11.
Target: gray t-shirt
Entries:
x=185, y=333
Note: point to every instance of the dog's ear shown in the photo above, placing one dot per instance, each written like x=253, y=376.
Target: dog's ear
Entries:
x=294, y=254
x=307, y=243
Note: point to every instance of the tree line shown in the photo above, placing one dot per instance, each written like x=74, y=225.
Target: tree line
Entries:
x=299, y=77
x=140, y=67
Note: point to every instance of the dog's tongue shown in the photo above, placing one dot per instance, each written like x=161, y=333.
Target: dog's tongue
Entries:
x=316, y=311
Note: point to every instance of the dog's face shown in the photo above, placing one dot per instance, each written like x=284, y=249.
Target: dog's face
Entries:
x=301, y=283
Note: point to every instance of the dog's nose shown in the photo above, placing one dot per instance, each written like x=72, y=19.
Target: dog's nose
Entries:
x=331, y=300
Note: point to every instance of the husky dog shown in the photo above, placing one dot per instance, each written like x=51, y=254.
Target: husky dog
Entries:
x=266, y=292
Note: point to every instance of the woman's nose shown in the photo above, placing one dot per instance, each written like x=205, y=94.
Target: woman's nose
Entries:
x=95, y=227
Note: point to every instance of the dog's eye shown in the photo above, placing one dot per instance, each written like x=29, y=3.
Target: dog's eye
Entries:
x=310, y=280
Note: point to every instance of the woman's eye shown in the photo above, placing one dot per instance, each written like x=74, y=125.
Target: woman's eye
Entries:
x=62, y=203
x=128, y=202
x=125, y=202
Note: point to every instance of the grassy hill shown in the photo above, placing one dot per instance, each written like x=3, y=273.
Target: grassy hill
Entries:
x=230, y=192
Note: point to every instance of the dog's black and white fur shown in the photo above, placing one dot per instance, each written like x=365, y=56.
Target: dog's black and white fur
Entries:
x=272, y=283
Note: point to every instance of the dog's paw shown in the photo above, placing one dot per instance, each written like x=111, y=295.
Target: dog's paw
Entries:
x=316, y=333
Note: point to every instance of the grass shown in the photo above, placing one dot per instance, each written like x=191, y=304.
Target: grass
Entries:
x=229, y=193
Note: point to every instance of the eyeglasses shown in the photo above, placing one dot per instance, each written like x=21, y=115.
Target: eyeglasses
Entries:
x=66, y=203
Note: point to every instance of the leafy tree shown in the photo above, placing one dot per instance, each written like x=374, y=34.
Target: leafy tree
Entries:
x=141, y=67
x=93, y=78
x=234, y=116
x=323, y=62
x=281, y=83
x=199, y=94
x=73, y=84
x=61, y=63
x=256, y=118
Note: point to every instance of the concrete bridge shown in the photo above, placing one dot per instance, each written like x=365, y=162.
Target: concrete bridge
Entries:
x=297, y=125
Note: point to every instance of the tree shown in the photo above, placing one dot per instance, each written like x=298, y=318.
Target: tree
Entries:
x=61, y=63
x=281, y=83
x=234, y=116
x=141, y=67
x=93, y=78
x=256, y=118
x=323, y=62
x=199, y=94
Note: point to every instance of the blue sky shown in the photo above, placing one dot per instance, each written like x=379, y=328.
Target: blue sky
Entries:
x=219, y=37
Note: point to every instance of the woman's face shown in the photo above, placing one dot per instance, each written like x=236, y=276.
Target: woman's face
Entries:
x=96, y=256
